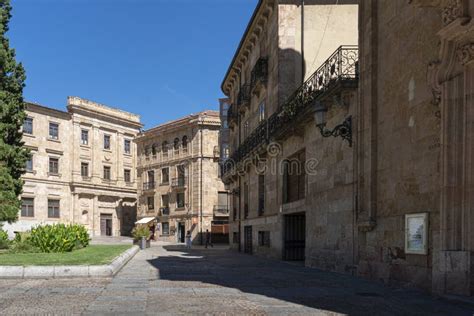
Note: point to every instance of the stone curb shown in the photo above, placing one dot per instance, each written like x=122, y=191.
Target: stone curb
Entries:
x=56, y=272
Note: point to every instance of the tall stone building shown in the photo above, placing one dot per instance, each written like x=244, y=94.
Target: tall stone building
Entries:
x=178, y=172
x=366, y=168
x=82, y=168
x=224, y=133
x=272, y=208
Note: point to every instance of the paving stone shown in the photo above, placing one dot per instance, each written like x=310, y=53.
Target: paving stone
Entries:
x=221, y=283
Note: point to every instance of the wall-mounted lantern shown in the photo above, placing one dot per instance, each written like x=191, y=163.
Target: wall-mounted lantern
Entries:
x=343, y=130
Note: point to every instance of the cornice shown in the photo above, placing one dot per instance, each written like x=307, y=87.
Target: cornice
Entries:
x=248, y=41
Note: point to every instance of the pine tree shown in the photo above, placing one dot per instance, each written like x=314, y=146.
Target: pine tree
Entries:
x=13, y=155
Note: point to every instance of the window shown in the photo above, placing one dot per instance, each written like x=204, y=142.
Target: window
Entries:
x=27, y=207
x=165, y=175
x=127, y=176
x=127, y=146
x=225, y=108
x=246, y=129
x=164, y=148
x=261, y=112
x=151, y=202
x=261, y=194
x=165, y=201
x=185, y=143
x=29, y=164
x=28, y=126
x=106, y=172
x=53, y=208
x=84, y=137
x=246, y=200
x=180, y=200
x=147, y=151
x=151, y=177
x=225, y=124
x=84, y=169
x=176, y=146
x=294, y=178
x=107, y=142
x=153, y=150
x=264, y=238
x=54, y=131
x=234, y=205
x=53, y=165
x=225, y=151
x=166, y=228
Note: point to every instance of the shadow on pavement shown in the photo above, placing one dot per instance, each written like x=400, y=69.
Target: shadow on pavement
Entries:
x=271, y=279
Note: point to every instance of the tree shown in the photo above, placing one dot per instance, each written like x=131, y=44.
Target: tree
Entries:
x=13, y=155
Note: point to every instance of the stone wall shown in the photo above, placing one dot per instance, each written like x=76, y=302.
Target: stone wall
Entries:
x=398, y=141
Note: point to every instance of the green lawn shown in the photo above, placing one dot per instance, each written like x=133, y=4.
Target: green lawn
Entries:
x=91, y=255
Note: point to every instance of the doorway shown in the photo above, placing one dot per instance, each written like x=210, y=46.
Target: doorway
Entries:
x=105, y=225
x=181, y=232
x=294, y=237
x=248, y=239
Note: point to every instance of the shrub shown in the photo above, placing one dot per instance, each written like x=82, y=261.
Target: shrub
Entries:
x=59, y=237
x=141, y=231
x=4, y=242
x=22, y=243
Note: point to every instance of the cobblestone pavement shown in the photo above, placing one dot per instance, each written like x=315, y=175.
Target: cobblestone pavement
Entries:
x=168, y=280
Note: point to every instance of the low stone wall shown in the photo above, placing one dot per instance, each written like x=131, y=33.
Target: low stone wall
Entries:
x=78, y=271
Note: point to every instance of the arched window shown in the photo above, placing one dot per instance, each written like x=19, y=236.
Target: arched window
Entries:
x=185, y=143
x=164, y=148
x=176, y=145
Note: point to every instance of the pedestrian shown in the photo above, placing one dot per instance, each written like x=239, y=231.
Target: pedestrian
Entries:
x=188, y=240
x=208, y=238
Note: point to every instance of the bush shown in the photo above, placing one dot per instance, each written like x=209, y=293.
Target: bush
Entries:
x=22, y=243
x=4, y=242
x=141, y=231
x=59, y=237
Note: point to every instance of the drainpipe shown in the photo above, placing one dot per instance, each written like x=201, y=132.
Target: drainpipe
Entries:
x=303, y=67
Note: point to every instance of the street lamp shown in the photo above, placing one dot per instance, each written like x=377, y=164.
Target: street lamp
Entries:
x=343, y=130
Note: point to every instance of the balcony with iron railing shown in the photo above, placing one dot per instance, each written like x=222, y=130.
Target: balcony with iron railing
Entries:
x=178, y=182
x=232, y=115
x=149, y=185
x=221, y=210
x=259, y=74
x=340, y=71
x=243, y=97
x=164, y=211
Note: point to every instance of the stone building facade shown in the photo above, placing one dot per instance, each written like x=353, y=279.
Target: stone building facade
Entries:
x=82, y=168
x=178, y=172
x=385, y=143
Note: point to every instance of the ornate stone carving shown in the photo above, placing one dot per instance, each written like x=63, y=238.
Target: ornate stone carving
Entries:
x=432, y=79
x=451, y=11
x=465, y=53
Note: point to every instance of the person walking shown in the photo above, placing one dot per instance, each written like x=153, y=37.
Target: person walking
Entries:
x=188, y=240
x=208, y=238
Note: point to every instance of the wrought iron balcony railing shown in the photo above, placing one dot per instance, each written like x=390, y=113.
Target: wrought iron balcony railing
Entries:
x=340, y=70
x=243, y=96
x=164, y=211
x=178, y=182
x=149, y=185
x=232, y=115
x=221, y=210
x=259, y=73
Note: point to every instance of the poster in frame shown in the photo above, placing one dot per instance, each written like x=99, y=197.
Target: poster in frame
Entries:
x=416, y=233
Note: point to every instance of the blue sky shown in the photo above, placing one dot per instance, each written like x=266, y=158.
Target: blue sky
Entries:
x=162, y=59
